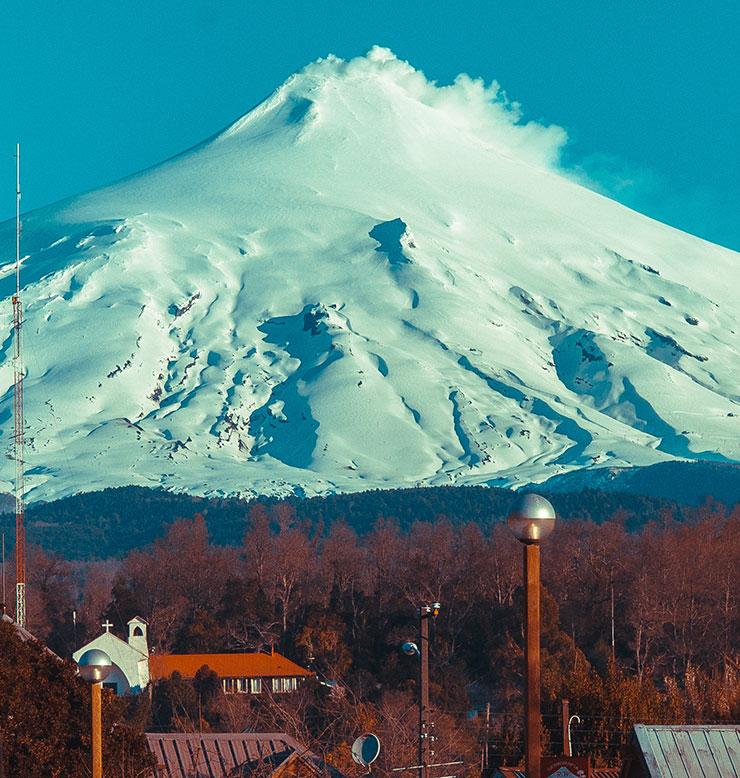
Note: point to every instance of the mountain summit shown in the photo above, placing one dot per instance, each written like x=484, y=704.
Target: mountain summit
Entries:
x=366, y=281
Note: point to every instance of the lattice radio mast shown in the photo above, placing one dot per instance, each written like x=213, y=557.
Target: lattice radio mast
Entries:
x=18, y=423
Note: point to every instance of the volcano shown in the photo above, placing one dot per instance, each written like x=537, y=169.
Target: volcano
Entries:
x=367, y=281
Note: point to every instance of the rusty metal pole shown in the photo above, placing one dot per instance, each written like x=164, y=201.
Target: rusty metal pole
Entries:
x=532, y=658
x=424, y=734
x=97, y=732
x=565, y=721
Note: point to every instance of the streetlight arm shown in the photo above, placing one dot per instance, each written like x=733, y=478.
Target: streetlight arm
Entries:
x=573, y=718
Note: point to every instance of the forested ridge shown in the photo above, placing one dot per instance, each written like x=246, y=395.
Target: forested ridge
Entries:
x=112, y=522
x=342, y=599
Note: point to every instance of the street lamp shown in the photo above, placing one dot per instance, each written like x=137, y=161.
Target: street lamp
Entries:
x=531, y=519
x=95, y=666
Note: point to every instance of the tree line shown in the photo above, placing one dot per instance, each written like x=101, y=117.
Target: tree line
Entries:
x=640, y=623
x=112, y=522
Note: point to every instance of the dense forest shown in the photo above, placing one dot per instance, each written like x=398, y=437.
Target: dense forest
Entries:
x=640, y=617
x=112, y=522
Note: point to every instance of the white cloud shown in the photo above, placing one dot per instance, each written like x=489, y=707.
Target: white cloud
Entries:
x=479, y=108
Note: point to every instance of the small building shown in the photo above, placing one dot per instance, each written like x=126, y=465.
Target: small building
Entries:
x=130, y=659
x=234, y=755
x=239, y=673
x=682, y=751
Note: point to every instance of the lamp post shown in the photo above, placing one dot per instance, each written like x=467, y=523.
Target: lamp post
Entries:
x=95, y=666
x=425, y=736
x=531, y=519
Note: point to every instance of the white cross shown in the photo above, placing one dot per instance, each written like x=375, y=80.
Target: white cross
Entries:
x=107, y=625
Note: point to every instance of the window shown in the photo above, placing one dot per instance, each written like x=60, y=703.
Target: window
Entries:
x=229, y=685
x=242, y=685
x=138, y=632
x=255, y=685
x=111, y=685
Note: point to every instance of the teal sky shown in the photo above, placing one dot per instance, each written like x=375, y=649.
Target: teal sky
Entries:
x=647, y=91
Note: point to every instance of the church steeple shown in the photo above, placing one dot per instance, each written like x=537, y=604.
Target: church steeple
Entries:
x=137, y=635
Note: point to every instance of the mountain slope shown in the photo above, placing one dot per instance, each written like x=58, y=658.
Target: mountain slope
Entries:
x=365, y=281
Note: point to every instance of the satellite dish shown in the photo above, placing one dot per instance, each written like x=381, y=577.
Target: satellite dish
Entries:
x=366, y=749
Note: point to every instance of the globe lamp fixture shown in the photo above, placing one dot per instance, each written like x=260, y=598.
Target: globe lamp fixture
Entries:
x=531, y=518
x=95, y=665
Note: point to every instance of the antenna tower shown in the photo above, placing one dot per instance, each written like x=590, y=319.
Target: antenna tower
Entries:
x=18, y=436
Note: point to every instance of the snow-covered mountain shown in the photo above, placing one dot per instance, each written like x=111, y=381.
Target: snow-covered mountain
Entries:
x=366, y=281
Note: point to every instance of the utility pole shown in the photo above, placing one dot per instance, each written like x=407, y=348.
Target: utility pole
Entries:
x=426, y=612
x=426, y=727
x=18, y=418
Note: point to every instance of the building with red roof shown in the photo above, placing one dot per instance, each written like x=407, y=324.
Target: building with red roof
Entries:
x=239, y=673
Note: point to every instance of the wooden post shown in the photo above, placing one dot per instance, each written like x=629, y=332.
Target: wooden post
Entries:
x=565, y=720
x=97, y=731
x=612, y=597
x=488, y=732
x=532, y=658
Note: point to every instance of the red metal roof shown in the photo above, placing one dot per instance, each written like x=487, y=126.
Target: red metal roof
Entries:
x=225, y=665
x=195, y=755
x=229, y=754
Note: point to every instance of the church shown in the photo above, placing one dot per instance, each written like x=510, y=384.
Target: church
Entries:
x=130, y=659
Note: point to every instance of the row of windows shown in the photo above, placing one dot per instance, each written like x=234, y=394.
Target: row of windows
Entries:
x=284, y=684
x=243, y=685
x=254, y=685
